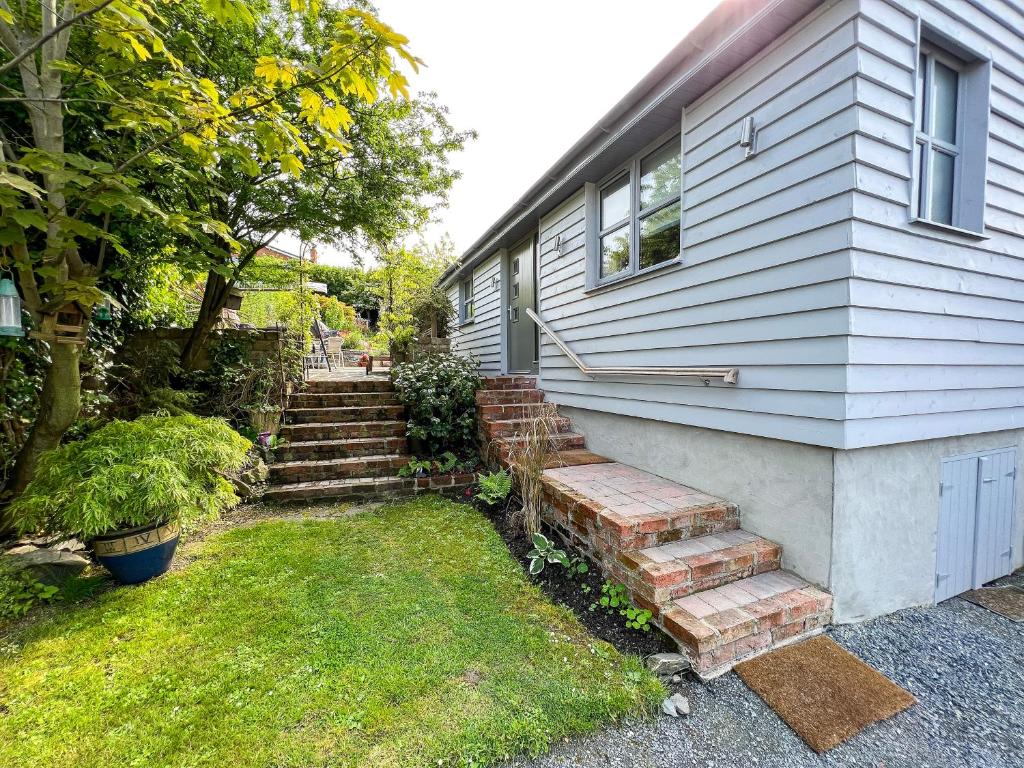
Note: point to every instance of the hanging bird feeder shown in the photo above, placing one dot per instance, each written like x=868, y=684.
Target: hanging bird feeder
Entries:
x=10, y=309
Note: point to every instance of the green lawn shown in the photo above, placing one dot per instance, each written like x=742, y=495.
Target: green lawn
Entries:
x=405, y=636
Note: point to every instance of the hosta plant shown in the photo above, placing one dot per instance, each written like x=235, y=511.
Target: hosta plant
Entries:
x=155, y=469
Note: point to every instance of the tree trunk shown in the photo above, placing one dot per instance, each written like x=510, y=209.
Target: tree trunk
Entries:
x=59, y=404
x=215, y=297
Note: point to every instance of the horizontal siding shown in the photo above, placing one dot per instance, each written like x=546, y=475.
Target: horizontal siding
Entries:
x=482, y=337
x=936, y=343
x=764, y=283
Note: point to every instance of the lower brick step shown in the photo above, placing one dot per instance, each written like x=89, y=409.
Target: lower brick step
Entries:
x=513, y=427
x=336, y=468
x=349, y=489
x=719, y=627
x=670, y=571
x=340, y=449
x=369, y=488
x=296, y=433
x=566, y=441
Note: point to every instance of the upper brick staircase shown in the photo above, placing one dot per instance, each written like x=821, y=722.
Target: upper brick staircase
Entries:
x=344, y=440
x=714, y=588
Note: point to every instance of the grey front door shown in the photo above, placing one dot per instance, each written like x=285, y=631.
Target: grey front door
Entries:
x=522, y=293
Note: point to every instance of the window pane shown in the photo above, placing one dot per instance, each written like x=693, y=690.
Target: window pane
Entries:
x=918, y=155
x=944, y=103
x=659, y=236
x=922, y=64
x=615, y=202
x=615, y=251
x=942, y=187
x=659, y=175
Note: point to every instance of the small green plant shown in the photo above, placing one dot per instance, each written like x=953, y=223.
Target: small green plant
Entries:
x=495, y=486
x=20, y=591
x=446, y=463
x=579, y=566
x=543, y=552
x=415, y=467
x=614, y=597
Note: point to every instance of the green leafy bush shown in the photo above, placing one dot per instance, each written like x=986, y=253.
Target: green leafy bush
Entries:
x=19, y=591
x=132, y=473
x=495, y=486
x=439, y=392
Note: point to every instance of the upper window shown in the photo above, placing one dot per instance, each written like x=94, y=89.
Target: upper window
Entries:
x=938, y=136
x=638, y=215
x=466, y=300
x=951, y=137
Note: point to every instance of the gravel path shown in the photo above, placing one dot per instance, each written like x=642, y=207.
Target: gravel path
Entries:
x=964, y=664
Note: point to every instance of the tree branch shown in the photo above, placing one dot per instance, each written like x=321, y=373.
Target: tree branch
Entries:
x=50, y=34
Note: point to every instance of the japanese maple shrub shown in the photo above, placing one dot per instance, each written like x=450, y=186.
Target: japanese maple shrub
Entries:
x=439, y=393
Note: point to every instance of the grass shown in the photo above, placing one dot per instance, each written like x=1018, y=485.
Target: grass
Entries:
x=401, y=637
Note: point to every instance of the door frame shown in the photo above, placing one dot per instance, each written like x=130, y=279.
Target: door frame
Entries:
x=506, y=282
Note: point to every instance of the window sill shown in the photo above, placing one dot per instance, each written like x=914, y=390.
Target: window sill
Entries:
x=949, y=228
x=464, y=323
x=639, y=277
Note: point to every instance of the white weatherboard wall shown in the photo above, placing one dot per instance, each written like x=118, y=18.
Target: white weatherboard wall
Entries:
x=763, y=284
x=936, y=344
x=482, y=337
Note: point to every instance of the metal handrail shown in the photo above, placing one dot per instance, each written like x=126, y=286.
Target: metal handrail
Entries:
x=727, y=375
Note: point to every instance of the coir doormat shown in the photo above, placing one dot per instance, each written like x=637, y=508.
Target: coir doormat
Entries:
x=823, y=692
x=1006, y=601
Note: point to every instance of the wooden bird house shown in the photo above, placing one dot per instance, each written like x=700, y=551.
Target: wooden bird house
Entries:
x=63, y=323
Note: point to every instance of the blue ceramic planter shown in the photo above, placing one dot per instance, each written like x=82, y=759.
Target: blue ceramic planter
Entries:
x=137, y=554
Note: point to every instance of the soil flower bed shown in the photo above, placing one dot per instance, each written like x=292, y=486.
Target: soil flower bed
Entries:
x=403, y=636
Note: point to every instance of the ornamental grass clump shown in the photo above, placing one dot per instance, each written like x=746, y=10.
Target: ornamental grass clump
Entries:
x=156, y=469
x=439, y=392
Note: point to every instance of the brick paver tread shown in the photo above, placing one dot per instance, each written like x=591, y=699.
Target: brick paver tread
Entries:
x=718, y=627
x=691, y=565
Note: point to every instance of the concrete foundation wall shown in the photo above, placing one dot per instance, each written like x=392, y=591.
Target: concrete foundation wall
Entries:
x=885, y=522
x=784, y=490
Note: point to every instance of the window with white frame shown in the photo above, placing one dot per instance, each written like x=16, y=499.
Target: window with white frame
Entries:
x=466, y=300
x=636, y=216
x=950, y=136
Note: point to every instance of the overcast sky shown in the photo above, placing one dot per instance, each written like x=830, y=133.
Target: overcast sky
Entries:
x=531, y=77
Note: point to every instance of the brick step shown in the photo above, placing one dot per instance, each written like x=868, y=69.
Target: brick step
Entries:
x=336, y=469
x=344, y=414
x=566, y=441
x=671, y=571
x=341, y=399
x=340, y=449
x=719, y=627
x=368, y=488
x=617, y=508
x=510, y=382
x=512, y=427
x=349, y=489
x=508, y=396
x=298, y=433
x=327, y=386
x=508, y=411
